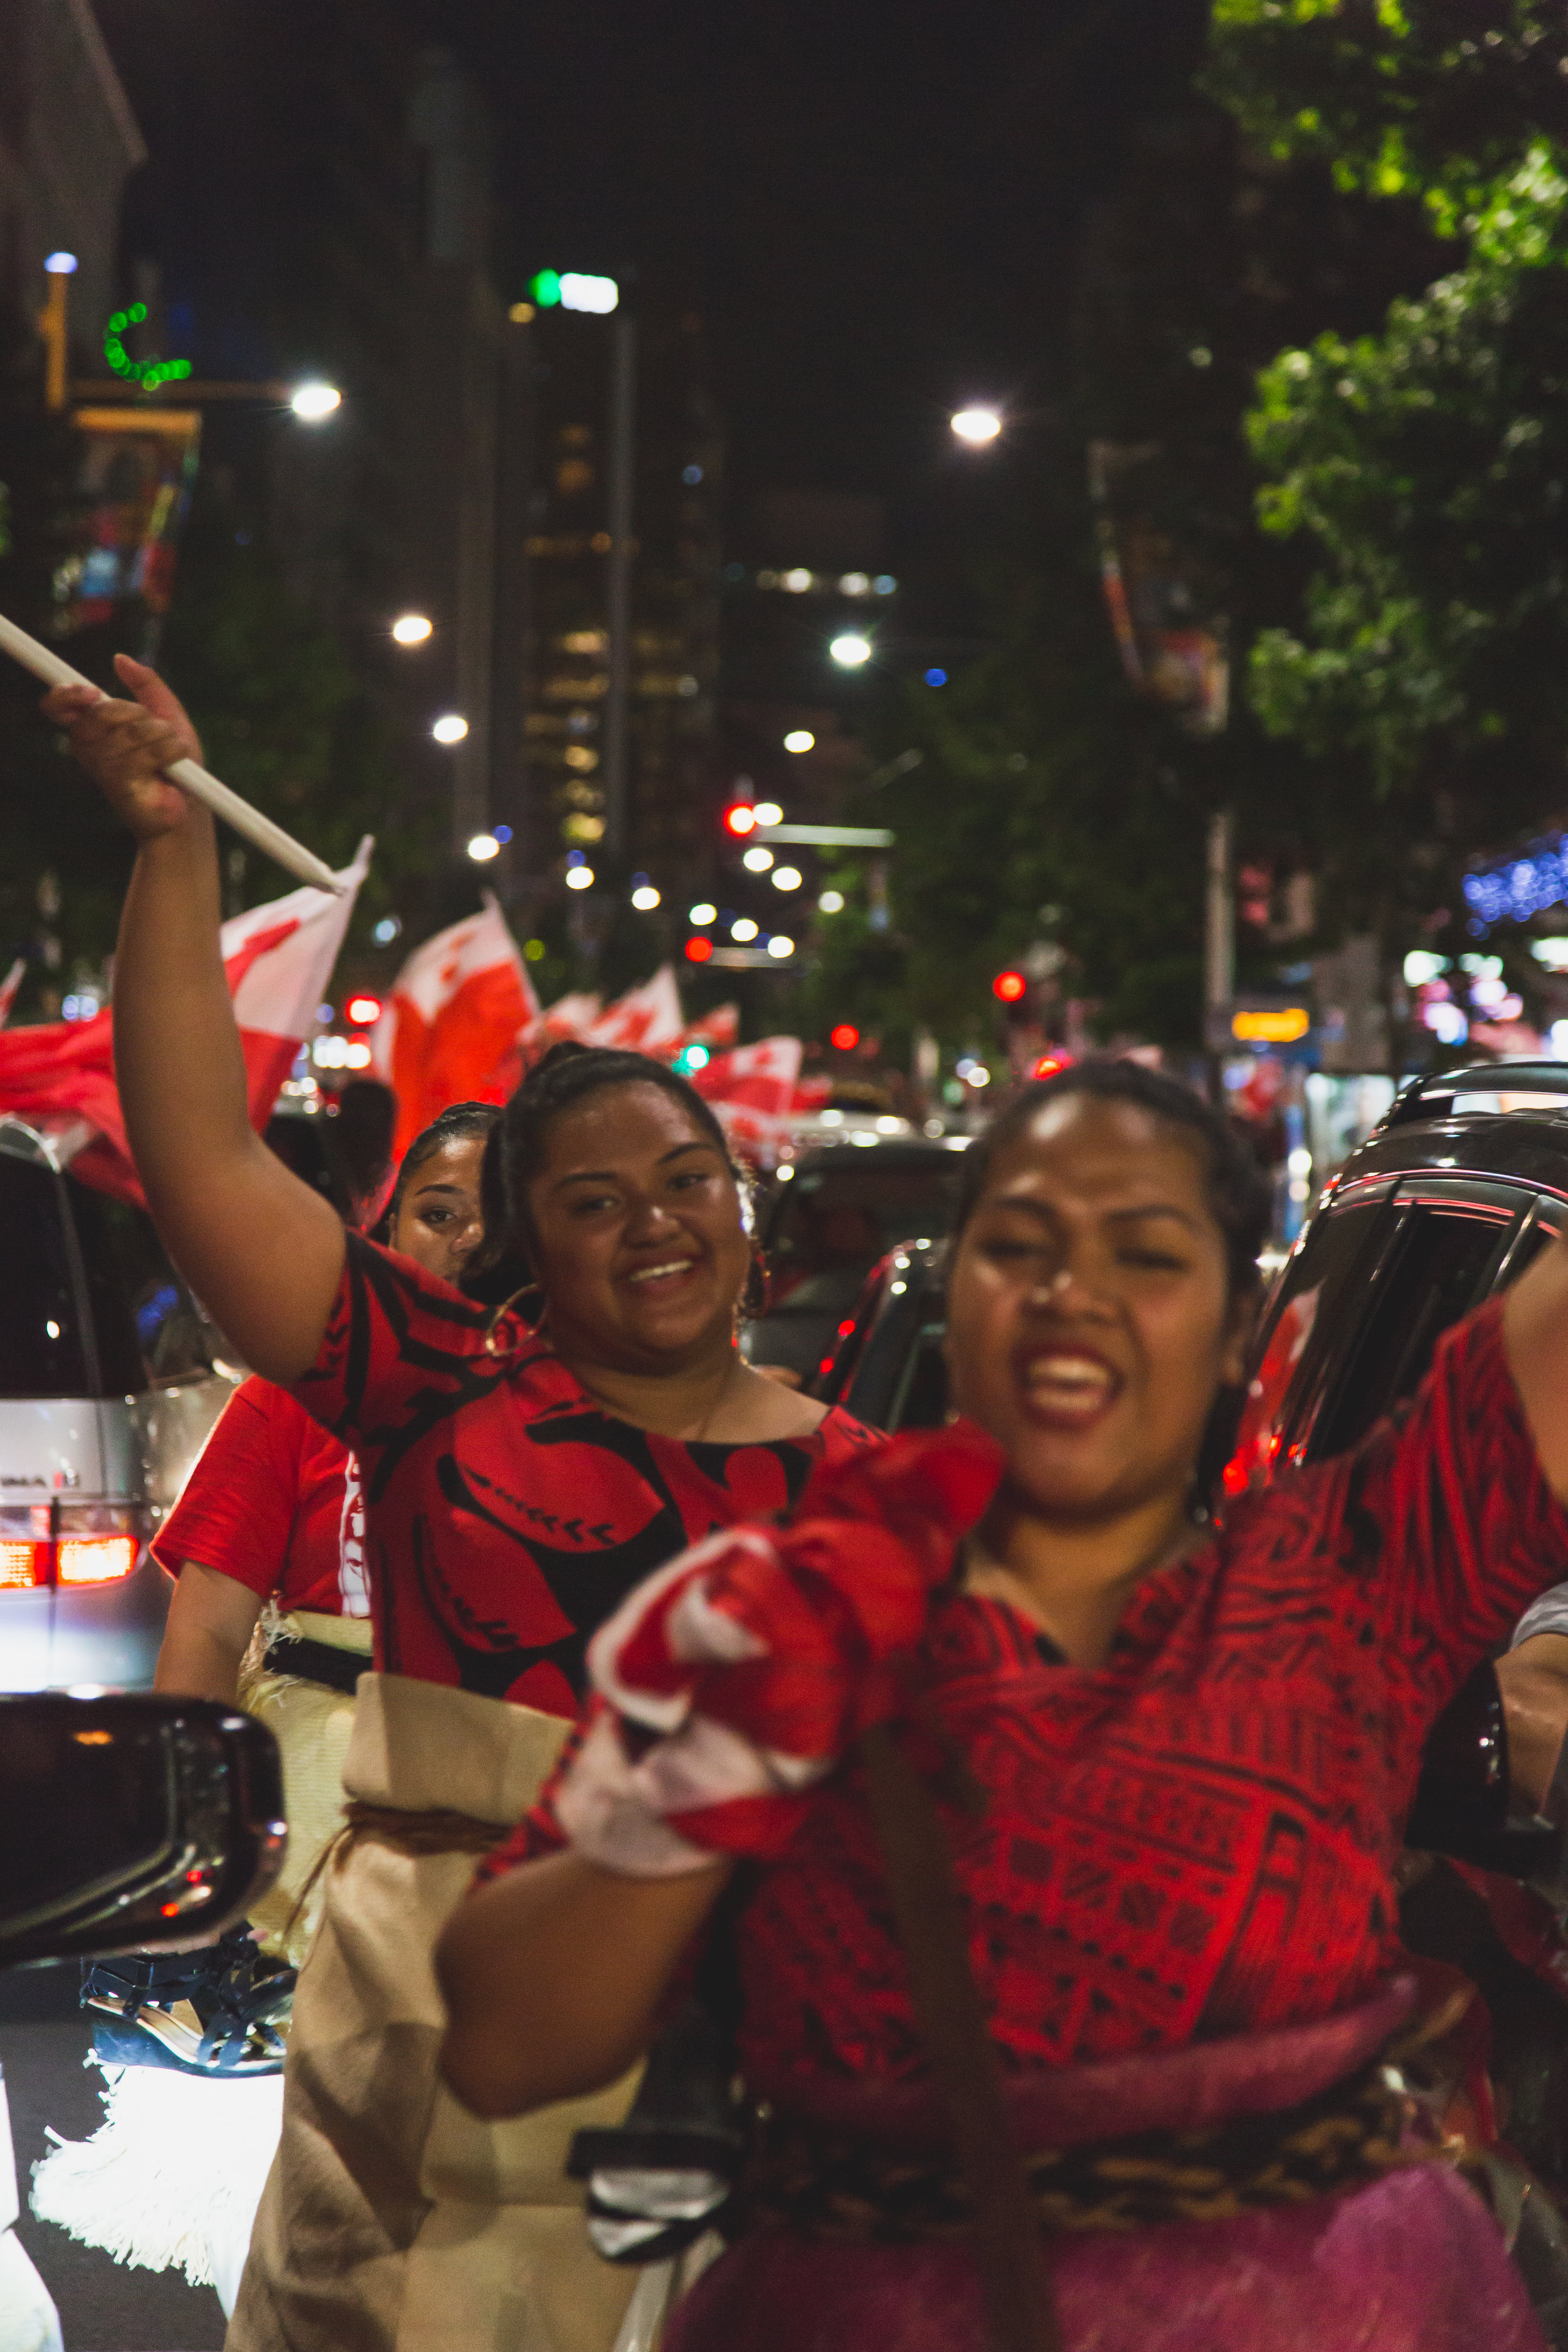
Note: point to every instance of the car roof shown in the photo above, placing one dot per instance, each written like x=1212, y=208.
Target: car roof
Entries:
x=840, y=1152
x=1499, y=1119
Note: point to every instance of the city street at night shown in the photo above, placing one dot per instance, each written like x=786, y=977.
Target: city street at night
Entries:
x=784, y=1177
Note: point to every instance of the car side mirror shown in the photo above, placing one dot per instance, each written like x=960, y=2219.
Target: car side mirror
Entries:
x=127, y=1821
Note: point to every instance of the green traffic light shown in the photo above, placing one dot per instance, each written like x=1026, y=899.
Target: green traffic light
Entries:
x=546, y=289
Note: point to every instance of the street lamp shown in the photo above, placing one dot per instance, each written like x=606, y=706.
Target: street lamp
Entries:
x=314, y=401
x=799, y=739
x=975, y=427
x=450, y=727
x=850, y=650
x=483, y=847
x=412, y=628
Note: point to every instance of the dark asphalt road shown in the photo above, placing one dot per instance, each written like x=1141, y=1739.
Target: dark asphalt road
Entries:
x=103, y=2307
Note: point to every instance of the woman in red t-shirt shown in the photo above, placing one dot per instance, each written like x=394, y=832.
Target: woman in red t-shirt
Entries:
x=522, y=1472
x=272, y=1510
x=1189, y=1753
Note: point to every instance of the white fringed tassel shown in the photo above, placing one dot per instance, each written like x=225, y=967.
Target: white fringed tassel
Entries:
x=171, y=2178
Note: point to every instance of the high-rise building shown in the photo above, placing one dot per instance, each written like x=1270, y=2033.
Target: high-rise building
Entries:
x=560, y=695
x=69, y=141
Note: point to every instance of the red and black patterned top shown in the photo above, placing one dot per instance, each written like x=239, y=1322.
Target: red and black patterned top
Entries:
x=506, y=1513
x=1199, y=1837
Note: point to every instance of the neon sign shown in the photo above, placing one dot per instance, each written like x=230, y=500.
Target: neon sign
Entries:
x=148, y=374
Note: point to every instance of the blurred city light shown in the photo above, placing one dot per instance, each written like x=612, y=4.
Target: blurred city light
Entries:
x=59, y=264
x=692, y=1057
x=703, y=913
x=697, y=950
x=846, y=1037
x=484, y=846
x=581, y=292
x=786, y=877
x=779, y=946
x=743, y=930
x=936, y=677
x=768, y=813
x=740, y=818
x=412, y=628
x=1553, y=953
x=850, y=650
x=450, y=727
x=831, y=902
x=1421, y=966
x=1010, y=986
x=579, y=878
x=645, y=898
x=976, y=425
x=757, y=860
x=796, y=581
x=313, y=401
x=502, y=832
x=387, y=929
x=854, y=583
x=362, y=1011
x=799, y=739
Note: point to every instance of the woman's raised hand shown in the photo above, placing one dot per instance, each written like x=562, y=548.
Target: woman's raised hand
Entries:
x=127, y=746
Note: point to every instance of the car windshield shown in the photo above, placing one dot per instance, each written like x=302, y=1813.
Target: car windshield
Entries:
x=44, y=1342
x=89, y=1305
x=834, y=1222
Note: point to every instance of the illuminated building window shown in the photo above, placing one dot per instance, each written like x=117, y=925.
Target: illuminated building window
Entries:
x=579, y=828
x=576, y=690
x=579, y=756
x=584, y=641
x=572, y=475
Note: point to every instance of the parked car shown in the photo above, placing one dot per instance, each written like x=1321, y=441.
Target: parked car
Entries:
x=110, y=1377
x=125, y=1823
x=832, y=1215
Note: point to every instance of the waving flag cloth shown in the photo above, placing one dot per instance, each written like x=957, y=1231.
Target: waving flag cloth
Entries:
x=9, y=987
x=454, y=1029
x=279, y=959
x=751, y=1089
x=719, y=1027
x=645, y=1020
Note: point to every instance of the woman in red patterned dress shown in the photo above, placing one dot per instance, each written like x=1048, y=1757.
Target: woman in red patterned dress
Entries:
x=1194, y=1750
x=523, y=1473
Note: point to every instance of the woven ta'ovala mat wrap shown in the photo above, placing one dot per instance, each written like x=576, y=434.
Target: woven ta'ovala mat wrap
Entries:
x=393, y=2219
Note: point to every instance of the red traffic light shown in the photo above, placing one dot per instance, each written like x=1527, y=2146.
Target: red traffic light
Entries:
x=362, y=1011
x=740, y=818
x=699, y=950
x=1010, y=986
x=846, y=1037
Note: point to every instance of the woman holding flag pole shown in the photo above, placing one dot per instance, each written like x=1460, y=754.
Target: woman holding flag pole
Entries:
x=522, y=1472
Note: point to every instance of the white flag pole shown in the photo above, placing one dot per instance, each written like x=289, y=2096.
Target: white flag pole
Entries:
x=257, y=828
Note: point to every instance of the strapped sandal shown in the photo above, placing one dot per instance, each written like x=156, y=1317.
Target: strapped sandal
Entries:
x=217, y=2011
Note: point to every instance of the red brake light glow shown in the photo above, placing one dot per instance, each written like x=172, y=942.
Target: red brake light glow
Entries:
x=95, y=1560
x=1010, y=986
x=364, y=1011
x=699, y=950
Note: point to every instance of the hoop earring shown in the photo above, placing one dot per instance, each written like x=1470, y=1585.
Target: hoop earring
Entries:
x=529, y=1290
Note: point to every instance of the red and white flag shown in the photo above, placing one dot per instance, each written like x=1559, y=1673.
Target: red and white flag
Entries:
x=9, y=987
x=752, y=1090
x=569, y=1019
x=645, y=1020
x=279, y=959
x=721, y=1027
x=454, y=1027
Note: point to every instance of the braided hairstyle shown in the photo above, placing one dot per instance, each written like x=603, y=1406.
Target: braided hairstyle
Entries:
x=518, y=1143
x=458, y=1120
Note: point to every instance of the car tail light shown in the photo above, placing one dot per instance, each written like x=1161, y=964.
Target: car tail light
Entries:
x=95, y=1560
x=69, y=1543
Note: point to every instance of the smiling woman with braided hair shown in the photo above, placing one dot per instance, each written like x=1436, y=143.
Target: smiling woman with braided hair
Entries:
x=523, y=1468
x=1170, y=1764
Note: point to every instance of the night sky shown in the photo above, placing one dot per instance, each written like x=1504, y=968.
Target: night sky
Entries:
x=874, y=209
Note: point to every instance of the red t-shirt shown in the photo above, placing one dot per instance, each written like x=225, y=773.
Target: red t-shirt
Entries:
x=274, y=1502
x=506, y=1513
x=1199, y=1837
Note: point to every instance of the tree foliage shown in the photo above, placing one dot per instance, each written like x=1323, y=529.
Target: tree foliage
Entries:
x=1423, y=465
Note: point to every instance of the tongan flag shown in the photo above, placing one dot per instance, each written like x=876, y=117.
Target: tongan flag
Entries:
x=645, y=1020
x=752, y=1090
x=452, y=1032
x=279, y=960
